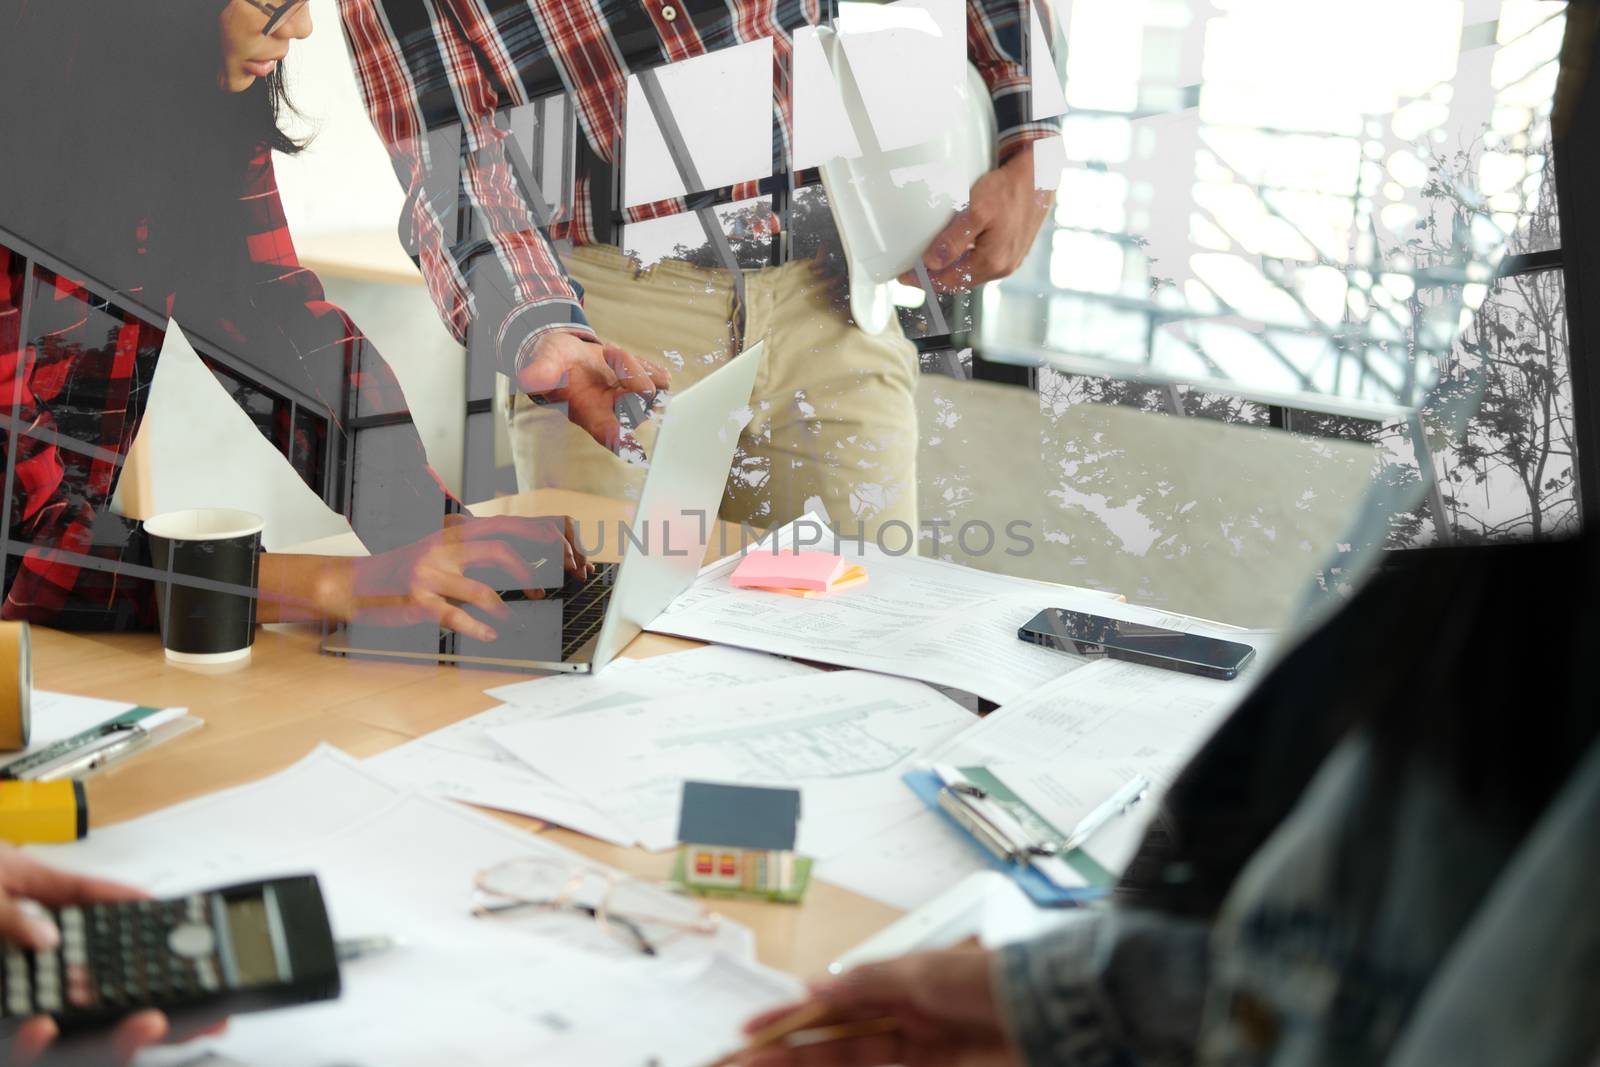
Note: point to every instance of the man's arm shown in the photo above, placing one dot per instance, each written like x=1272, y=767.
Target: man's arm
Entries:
x=991, y=236
x=491, y=270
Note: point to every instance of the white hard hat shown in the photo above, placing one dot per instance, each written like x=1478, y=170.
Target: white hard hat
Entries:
x=889, y=205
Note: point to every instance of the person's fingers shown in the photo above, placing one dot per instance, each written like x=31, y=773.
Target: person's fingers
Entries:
x=452, y=617
x=27, y=877
x=987, y=262
x=569, y=530
x=464, y=590
x=136, y=1032
x=595, y=413
x=548, y=532
x=885, y=984
x=499, y=555
x=954, y=241
x=31, y=1040
x=955, y=278
x=26, y=923
x=635, y=375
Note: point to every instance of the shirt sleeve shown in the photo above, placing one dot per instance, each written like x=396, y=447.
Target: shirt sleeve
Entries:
x=66, y=551
x=491, y=269
x=1120, y=987
x=998, y=35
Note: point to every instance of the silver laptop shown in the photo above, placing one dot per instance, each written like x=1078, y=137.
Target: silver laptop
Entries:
x=587, y=622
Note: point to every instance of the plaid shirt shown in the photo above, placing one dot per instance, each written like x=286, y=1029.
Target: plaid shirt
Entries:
x=434, y=72
x=75, y=391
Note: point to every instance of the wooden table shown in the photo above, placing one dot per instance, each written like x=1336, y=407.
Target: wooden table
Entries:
x=263, y=715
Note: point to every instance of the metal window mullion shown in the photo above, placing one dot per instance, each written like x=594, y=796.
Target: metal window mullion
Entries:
x=1576, y=145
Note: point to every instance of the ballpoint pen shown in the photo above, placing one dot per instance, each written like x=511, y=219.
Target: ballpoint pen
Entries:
x=1115, y=805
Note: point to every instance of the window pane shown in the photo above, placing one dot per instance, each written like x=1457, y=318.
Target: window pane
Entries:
x=1250, y=201
x=1513, y=474
x=1540, y=228
x=1498, y=428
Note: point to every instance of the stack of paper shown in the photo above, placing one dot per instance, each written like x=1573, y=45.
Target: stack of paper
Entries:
x=802, y=574
x=548, y=988
x=462, y=763
x=844, y=738
x=1097, y=726
x=920, y=618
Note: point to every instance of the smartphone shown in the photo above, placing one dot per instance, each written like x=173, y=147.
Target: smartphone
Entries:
x=238, y=949
x=1097, y=635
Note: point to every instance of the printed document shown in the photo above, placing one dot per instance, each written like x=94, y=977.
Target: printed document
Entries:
x=917, y=617
x=843, y=737
x=1111, y=720
x=515, y=989
x=460, y=762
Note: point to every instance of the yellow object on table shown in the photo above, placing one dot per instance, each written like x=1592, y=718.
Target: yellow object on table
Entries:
x=43, y=813
x=16, y=685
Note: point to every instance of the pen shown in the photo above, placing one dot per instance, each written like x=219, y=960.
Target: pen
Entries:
x=1115, y=805
x=356, y=948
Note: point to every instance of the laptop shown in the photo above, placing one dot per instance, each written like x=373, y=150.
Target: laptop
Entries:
x=585, y=624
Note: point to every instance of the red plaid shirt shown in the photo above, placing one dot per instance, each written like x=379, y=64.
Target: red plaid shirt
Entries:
x=435, y=71
x=75, y=390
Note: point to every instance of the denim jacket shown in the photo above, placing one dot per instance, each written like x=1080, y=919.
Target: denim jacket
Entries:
x=1392, y=863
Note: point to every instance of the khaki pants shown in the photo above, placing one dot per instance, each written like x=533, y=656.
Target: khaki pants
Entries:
x=834, y=424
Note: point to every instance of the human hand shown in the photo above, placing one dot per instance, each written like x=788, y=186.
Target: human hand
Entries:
x=589, y=376
x=989, y=238
x=25, y=884
x=943, y=1001
x=428, y=581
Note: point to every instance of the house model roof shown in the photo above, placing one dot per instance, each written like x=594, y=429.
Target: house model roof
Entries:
x=739, y=816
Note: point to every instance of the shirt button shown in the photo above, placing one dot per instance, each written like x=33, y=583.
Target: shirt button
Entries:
x=669, y=13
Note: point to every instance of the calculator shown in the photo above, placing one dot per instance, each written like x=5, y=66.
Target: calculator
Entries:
x=224, y=952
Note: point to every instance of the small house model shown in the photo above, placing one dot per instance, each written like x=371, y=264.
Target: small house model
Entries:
x=739, y=838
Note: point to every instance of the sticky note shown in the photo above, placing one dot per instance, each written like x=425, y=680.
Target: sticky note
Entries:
x=849, y=580
x=815, y=571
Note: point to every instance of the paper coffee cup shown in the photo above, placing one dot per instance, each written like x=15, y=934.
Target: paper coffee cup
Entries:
x=197, y=551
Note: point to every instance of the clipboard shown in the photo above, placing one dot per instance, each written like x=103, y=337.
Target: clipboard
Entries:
x=163, y=724
x=985, y=823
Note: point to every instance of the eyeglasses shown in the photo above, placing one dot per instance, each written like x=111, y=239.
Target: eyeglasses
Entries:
x=639, y=914
x=275, y=12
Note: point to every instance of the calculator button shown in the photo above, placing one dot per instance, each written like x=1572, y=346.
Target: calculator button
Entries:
x=206, y=973
x=48, y=998
x=18, y=987
x=192, y=941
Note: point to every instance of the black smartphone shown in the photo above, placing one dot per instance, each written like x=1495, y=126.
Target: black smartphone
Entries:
x=239, y=949
x=1097, y=635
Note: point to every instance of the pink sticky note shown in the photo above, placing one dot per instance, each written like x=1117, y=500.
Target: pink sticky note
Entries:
x=787, y=570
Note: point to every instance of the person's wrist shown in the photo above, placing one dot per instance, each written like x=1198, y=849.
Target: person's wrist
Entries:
x=333, y=590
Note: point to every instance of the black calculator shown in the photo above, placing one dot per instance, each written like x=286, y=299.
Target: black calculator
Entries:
x=244, y=948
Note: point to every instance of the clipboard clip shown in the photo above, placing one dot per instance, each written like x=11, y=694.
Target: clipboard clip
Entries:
x=997, y=831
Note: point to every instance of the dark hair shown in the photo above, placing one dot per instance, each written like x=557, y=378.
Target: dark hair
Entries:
x=124, y=157
x=278, y=105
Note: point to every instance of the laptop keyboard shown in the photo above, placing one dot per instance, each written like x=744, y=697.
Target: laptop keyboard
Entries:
x=583, y=607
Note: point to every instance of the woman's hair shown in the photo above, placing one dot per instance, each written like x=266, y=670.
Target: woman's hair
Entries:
x=125, y=158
